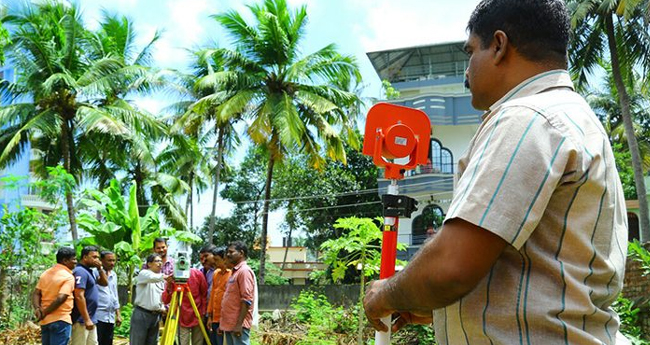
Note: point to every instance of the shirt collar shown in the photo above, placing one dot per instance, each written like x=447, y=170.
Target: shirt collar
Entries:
x=534, y=85
x=239, y=265
x=64, y=267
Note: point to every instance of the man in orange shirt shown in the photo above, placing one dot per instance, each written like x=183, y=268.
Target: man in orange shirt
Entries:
x=53, y=299
x=219, y=280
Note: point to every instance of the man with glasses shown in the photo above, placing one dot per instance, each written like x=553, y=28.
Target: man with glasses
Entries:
x=150, y=284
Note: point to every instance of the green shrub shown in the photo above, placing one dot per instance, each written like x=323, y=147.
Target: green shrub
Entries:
x=124, y=328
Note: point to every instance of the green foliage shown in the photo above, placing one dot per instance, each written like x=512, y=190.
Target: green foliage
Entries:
x=22, y=237
x=344, y=190
x=358, y=246
x=629, y=316
x=637, y=251
x=124, y=328
x=273, y=272
x=389, y=90
x=415, y=334
x=625, y=171
x=324, y=320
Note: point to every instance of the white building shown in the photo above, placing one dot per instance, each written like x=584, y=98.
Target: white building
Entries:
x=430, y=78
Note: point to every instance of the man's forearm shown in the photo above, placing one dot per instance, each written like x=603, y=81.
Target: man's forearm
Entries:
x=242, y=313
x=80, y=300
x=36, y=299
x=103, y=277
x=446, y=269
x=55, y=304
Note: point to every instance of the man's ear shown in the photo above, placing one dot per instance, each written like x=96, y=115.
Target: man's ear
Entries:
x=499, y=46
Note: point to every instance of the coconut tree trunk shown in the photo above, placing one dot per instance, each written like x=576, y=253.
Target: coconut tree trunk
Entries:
x=3, y=291
x=192, y=204
x=65, y=149
x=624, y=100
x=265, y=216
x=217, y=176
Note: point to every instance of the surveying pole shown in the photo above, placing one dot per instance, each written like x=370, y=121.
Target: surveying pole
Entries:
x=395, y=133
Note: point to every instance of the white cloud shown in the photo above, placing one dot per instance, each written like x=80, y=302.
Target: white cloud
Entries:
x=149, y=104
x=390, y=24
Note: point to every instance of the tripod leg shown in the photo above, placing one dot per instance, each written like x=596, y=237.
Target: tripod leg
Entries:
x=171, y=321
x=198, y=316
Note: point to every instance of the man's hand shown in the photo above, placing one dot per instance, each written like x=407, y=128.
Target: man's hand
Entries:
x=237, y=331
x=38, y=313
x=118, y=320
x=89, y=325
x=219, y=331
x=376, y=305
x=405, y=318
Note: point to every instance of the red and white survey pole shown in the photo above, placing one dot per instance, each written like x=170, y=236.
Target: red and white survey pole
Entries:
x=395, y=133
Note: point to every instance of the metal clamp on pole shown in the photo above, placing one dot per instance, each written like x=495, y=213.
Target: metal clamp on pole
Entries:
x=398, y=205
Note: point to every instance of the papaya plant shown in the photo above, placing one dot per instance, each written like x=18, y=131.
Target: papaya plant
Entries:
x=358, y=246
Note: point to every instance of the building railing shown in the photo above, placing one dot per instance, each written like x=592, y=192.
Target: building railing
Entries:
x=35, y=201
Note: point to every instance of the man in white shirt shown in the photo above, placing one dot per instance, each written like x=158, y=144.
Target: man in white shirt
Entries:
x=148, y=305
x=108, y=304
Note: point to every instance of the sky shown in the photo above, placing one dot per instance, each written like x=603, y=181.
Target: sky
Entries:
x=355, y=26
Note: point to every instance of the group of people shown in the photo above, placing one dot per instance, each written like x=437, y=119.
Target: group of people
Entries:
x=76, y=301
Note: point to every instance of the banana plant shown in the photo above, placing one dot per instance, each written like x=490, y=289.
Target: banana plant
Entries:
x=113, y=223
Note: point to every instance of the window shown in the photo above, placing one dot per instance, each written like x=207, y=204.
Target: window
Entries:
x=442, y=160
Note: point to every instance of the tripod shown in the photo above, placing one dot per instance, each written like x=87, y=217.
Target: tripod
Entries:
x=173, y=316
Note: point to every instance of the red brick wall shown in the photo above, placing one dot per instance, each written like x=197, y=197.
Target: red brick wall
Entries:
x=637, y=288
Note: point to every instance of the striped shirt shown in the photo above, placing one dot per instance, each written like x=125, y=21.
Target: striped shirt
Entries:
x=540, y=174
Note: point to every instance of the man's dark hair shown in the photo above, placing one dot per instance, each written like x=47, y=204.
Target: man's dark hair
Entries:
x=219, y=251
x=103, y=253
x=65, y=253
x=207, y=249
x=240, y=246
x=152, y=257
x=86, y=250
x=159, y=240
x=539, y=29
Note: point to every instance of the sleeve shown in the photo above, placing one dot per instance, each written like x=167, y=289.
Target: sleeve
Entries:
x=212, y=292
x=203, y=292
x=516, y=163
x=246, y=282
x=146, y=276
x=67, y=287
x=167, y=294
x=81, y=279
x=116, y=294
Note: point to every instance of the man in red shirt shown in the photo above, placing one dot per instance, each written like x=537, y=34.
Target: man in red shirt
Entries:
x=189, y=323
x=237, y=304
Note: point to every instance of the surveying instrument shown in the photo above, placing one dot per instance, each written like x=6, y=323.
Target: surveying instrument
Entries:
x=395, y=134
x=181, y=290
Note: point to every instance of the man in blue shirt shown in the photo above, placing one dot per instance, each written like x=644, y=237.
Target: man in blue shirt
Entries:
x=108, y=306
x=86, y=295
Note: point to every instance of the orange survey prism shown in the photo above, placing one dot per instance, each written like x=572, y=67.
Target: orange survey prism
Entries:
x=394, y=132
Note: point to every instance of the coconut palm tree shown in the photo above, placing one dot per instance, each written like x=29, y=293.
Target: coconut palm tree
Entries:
x=199, y=115
x=604, y=102
x=57, y=89
x=291, y=101
x=619, y=29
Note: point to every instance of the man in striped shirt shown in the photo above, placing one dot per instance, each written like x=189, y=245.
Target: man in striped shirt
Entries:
x=533, y=246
